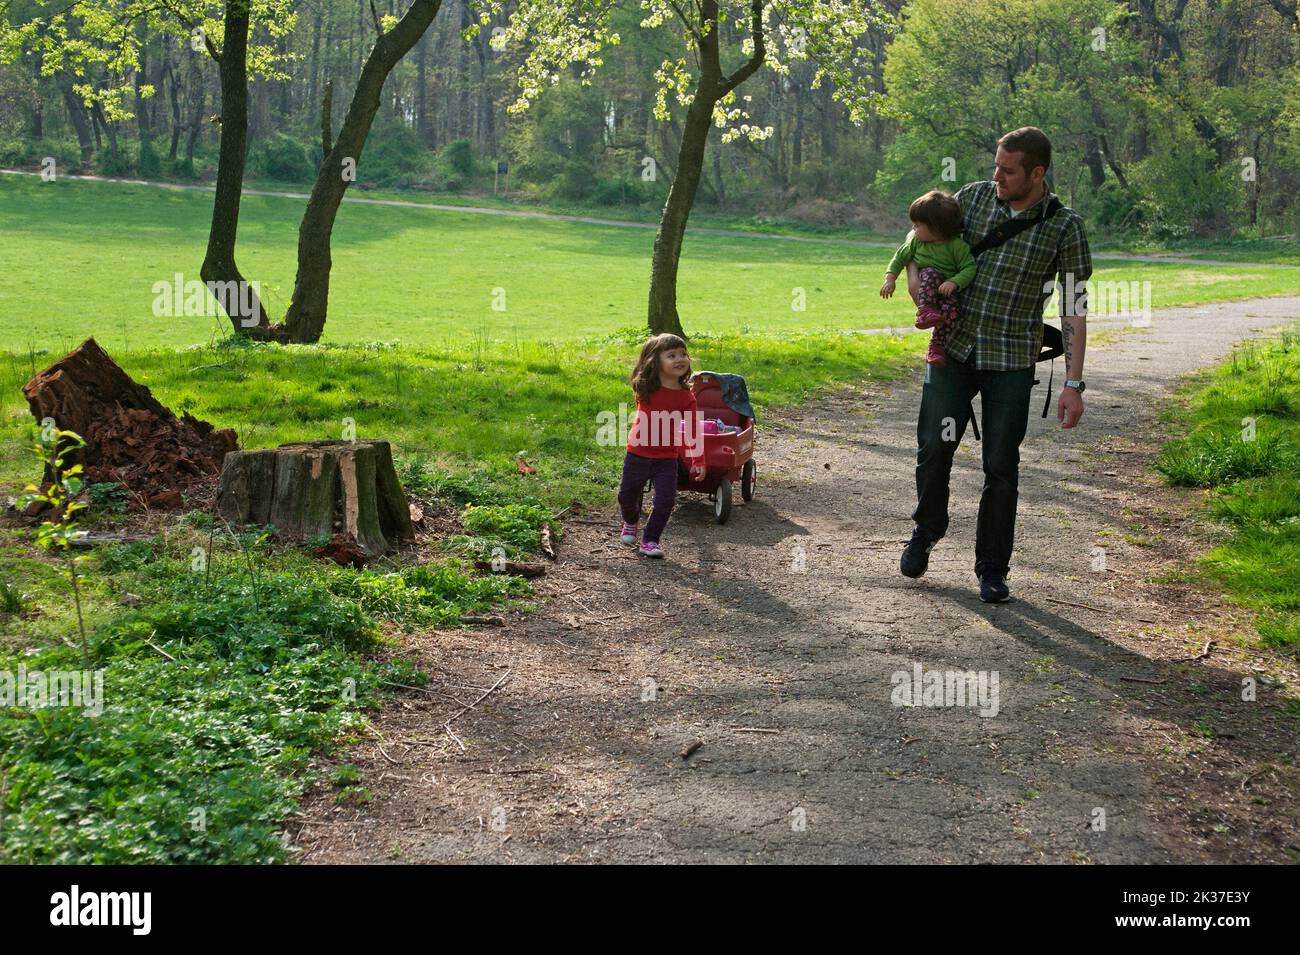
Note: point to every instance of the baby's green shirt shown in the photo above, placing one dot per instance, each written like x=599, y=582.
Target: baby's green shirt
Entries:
x=952, y=258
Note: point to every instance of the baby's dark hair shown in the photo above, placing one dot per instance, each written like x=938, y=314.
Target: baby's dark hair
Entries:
x=938, y=210
x=645, y=376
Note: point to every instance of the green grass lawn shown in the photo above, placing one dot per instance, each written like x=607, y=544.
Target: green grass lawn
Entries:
x=1243, y=443
x=82, y=258
x=468, y=405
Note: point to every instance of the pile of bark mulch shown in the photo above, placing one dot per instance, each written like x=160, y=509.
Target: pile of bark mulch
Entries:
x=131, y=438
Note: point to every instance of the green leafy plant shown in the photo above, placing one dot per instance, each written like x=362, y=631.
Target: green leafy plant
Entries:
x=519, y=525
x=107, y=497
x=11, y=598
x=56, y=536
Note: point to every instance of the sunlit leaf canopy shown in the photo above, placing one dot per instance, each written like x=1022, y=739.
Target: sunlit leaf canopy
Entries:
x=828, y=34
x=75, y=38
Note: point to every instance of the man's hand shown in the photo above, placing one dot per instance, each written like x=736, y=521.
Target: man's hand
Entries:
x=697, y=471
x=948, y=288
x=887, y=290
x=1070, y=408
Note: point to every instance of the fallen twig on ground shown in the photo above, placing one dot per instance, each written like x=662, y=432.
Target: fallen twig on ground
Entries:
x=485, y=695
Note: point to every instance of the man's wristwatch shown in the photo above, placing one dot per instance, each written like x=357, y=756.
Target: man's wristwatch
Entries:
x=1075, y=383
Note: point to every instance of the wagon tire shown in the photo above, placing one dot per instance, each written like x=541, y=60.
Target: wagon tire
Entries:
x=722, y=502
x=747, y=480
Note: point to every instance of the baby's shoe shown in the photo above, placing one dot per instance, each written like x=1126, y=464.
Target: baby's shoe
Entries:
x=934, y=355
x=628, y=534
x=927, y=316
x=651, y=549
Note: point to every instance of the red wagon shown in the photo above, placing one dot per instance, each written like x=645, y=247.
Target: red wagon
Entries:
x=728, y=454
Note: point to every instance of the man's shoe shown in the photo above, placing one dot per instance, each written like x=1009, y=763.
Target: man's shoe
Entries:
x=994, y=589
x=916, y=555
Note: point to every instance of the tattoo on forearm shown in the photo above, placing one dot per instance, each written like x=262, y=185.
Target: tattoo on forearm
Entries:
x=1067, y=337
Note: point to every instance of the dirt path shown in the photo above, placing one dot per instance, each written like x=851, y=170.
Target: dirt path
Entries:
x=792, y=619
x=1166, y=257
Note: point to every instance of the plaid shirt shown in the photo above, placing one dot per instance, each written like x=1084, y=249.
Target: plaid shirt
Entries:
x=1001, y=318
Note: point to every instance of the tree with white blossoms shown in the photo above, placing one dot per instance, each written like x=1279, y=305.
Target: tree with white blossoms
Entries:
x=725, y=43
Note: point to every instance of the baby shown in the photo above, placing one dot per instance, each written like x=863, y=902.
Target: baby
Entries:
x=944, y=262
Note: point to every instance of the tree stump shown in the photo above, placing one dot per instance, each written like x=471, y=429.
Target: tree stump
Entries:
x=131, y=438
x=319, y=488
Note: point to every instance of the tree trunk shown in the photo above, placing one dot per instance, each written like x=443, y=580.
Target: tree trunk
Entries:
x=720, y=187
x=796, y=146
x=663, y=315
x=305, y=319
x=1096, y=167
x=318, y=489
x=109, y=128
x=177, y=122
x=327, y=120
x=422, y=91
x=144, y=127
x=244, y=310
x=38, y=104
x=94, y=128
x=77, y=114
x=313, y=68
x=711, y=86
x=198, y=94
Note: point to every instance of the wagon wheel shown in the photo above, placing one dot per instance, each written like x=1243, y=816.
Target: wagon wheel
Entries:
x=747, y=480
x=722, y=502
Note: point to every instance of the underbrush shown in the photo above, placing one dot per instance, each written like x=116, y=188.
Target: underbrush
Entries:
x=216, y=686
x=1243, y=445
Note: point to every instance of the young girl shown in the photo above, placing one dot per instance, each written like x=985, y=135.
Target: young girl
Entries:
x=666, y=428
x=944, y=261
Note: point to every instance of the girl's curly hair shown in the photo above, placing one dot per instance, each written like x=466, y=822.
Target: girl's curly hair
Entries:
x=645, y=376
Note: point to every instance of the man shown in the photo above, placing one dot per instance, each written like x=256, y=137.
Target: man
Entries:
x=992, y=350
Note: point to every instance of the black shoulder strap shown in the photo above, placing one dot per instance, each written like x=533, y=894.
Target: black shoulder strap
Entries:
x=1013, y=227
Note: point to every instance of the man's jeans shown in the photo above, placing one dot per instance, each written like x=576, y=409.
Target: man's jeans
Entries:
x=945, y=409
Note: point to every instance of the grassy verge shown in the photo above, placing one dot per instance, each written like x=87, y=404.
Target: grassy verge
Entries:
x=1243, y=445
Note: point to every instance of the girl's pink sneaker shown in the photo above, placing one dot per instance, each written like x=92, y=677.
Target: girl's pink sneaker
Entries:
x=651, y=549
x=628, y=534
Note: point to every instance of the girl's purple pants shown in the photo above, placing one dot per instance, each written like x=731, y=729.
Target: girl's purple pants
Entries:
x=662, y=473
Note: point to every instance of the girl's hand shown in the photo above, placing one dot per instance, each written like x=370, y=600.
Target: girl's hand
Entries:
x=948, y=288
x=887, y=290
x=697, y=471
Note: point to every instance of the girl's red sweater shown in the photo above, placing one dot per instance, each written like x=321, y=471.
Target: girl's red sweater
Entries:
x=656, y=430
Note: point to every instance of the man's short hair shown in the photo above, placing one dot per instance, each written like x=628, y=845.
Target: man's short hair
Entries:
x=1032, y=143
x=939, y=210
